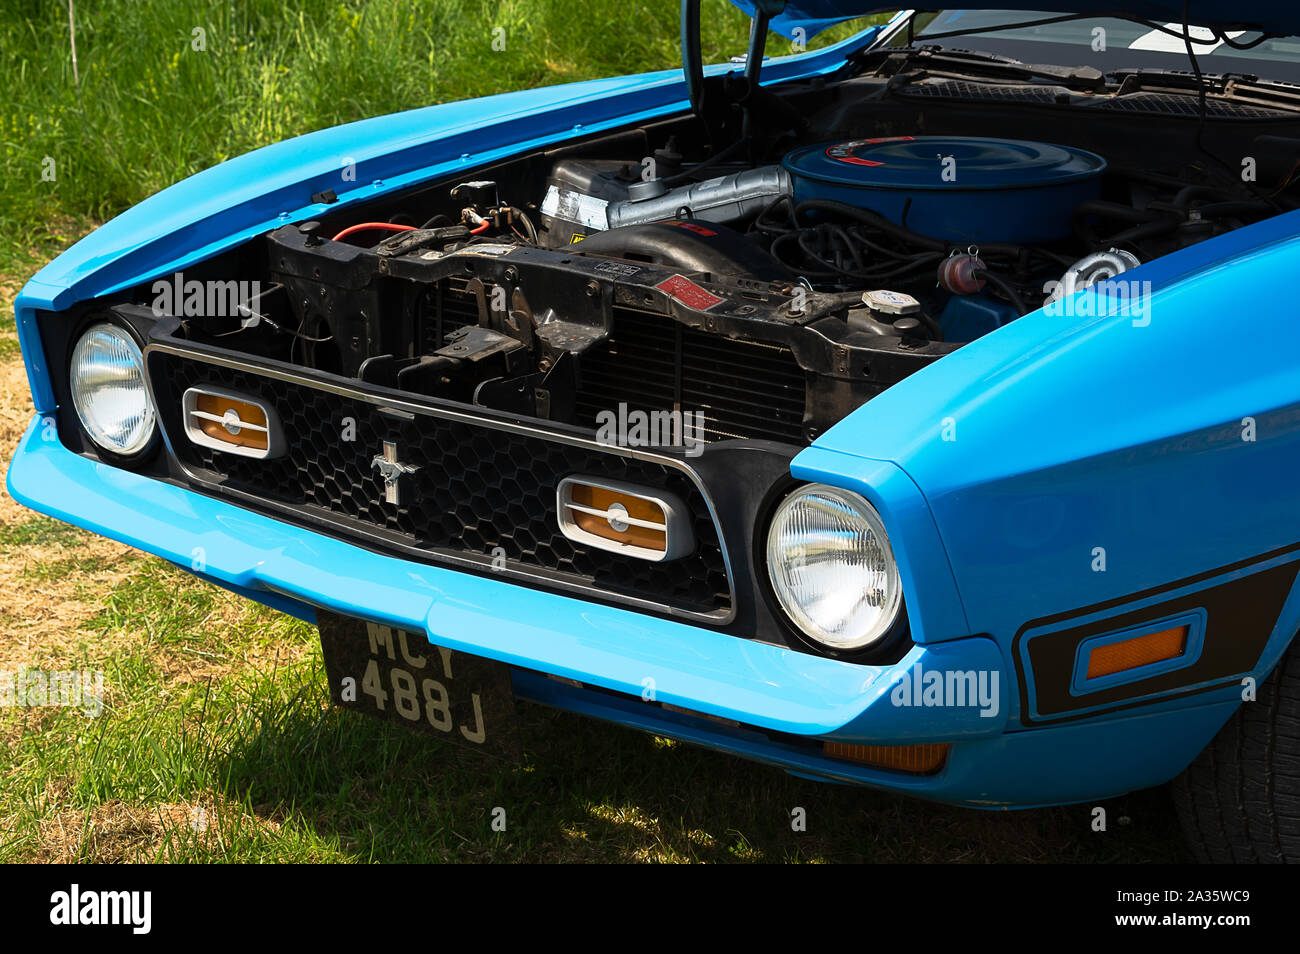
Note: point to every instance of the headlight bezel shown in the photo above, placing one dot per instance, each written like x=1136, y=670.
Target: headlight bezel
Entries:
x=886, y=647
x=89, y=323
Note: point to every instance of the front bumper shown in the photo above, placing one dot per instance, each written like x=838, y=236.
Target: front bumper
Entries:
x=761, y=701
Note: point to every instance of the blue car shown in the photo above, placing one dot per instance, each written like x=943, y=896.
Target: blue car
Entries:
x=885, y=411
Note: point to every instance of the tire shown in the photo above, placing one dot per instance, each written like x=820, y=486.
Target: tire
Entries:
x=1239, y=802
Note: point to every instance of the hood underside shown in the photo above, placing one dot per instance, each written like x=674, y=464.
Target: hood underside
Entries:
x=1270, y=16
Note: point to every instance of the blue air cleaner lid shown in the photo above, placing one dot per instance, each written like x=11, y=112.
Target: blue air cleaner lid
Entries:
x=943, y=162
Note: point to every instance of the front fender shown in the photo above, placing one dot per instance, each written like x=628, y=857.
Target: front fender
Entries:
x=1083, y=466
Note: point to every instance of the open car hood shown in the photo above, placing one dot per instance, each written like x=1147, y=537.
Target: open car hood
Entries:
x=1271, y=16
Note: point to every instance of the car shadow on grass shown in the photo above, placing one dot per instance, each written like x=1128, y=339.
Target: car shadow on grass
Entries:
x=593, y=792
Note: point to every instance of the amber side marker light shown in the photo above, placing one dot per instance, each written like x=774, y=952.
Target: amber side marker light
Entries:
x=1139, y=651
x=914, y=759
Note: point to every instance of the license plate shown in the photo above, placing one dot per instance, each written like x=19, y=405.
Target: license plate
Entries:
x=400, y=677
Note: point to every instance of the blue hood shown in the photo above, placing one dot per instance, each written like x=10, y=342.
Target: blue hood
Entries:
x=1271, y=16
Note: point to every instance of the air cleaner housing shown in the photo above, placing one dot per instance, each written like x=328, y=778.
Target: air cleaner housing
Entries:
x=957, y=188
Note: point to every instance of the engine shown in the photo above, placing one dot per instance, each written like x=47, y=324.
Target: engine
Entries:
x=768, y=299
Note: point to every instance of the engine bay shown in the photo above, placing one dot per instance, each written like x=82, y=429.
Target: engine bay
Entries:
x=766, y=269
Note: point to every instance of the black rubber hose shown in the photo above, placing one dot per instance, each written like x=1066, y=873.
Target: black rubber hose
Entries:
x=852, y=247
x=1113, y=211
x=806, y=238
x=885, y=272
x=1011, y=294
x=904, y=263
x=904, y=234
x=936, y=332
x=880, y=276
x=872, y=218
x=763, y=224
x=693, y=172
x=775, y=251
x=890, y=253
x=1186, y=194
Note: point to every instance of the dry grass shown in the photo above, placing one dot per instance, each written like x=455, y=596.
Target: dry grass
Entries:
x=42, y=618
x=116, y=831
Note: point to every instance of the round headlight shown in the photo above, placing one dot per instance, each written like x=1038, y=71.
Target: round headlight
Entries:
x=108, y=390
x=832, y=568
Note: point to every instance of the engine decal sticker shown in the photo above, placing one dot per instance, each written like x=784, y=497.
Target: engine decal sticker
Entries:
x=691, y=295
x=844, y=151
x=619, y=269
x=694, y=227
x=574, y=207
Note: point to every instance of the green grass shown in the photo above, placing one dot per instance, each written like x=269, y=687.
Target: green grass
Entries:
x=150, y=109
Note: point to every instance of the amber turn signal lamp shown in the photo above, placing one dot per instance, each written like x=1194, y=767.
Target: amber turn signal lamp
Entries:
x=643, y=522
x=234, y=423
x=247, y=426
x=1138, y=651
x=914, y=759
x=640, y=534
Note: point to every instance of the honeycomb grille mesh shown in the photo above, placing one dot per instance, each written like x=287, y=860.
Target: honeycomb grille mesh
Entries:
x=477, y=488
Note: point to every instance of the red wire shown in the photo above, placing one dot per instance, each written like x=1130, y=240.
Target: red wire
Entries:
x=363, y=226
x=481, y=228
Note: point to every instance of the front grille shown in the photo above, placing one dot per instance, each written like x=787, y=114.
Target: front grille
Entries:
x=480, y=491
x=743, y=389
